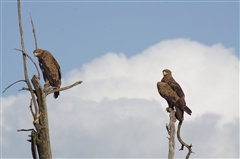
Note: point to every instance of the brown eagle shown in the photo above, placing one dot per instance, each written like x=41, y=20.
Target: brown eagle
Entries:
x=50, y=69
x=171, y=91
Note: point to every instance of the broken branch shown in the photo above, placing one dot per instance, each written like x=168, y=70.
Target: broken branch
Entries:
x=25, y=130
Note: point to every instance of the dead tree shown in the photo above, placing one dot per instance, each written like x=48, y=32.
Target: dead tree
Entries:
x=40, y=136
x=171, y=131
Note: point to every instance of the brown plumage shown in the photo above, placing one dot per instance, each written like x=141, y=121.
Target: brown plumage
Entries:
x=172, y=92
x=50, y=69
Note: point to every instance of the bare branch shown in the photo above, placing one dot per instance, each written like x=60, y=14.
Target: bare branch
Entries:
x=18, y=50
x=63, y=88
x=12, y=85
x=34, y=32
x=20, y=26
x=189, y=147
x=25, y=130
x=24, y=55
x=24, y=89
x=30, y=58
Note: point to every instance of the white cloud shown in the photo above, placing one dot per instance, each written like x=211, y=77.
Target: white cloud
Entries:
x=207, y=74
x=117, y=111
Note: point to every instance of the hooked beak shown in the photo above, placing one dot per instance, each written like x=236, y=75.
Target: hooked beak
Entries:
x=165, y=73
x=35, y=53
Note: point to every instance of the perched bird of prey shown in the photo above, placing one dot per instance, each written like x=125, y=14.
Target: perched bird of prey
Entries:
x=171, y=91
x=50, y=69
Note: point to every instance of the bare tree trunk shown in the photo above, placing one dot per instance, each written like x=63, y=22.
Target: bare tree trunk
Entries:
x=171, y=131
x=43, y=137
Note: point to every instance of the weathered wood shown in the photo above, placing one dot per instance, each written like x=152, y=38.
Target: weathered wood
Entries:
x=171, y=131
x=43, y=144
x=189, y=147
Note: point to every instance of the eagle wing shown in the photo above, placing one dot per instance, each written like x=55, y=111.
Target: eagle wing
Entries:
x=51, y=71
x=173, y=99
x=173, y=84
x=167, y=93
x=176, y=87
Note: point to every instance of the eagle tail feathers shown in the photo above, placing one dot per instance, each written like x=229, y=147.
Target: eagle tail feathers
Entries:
x=187, y=110
x=56, y=94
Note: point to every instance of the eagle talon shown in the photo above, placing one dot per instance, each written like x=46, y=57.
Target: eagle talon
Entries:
x=46, y=88
x=47, y=84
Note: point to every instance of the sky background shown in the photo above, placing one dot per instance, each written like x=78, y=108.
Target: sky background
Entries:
x=119, y=49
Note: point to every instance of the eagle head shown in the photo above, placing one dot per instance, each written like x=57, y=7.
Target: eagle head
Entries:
x=166, y=72
x=37, y=52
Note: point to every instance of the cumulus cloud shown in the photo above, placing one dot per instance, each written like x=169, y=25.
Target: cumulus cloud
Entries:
x=117, y=111
x=209, y=76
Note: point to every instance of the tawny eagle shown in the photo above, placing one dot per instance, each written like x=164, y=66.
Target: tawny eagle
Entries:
x=172, y=92
x=50, y=69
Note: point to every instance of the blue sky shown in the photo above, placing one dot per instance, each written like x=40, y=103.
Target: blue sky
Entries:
x=118, y=49
x=77, y=32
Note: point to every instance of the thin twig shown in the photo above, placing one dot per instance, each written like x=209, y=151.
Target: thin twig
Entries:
x=34, y=32
x=25, y=130
x=63, y=88
x=20, y=25
x=30, y=58
x=12, y=85
x=24, y=89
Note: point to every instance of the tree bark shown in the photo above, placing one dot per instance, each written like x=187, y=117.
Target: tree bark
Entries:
x=43, y=140
x=171, y=131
